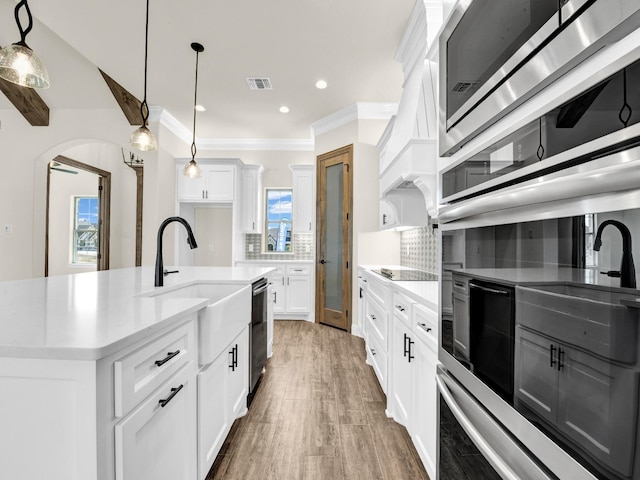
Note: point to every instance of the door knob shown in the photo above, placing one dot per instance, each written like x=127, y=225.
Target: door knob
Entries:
x=323, y=261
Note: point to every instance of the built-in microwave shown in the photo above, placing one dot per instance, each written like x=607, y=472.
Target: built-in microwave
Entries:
x=496, y=54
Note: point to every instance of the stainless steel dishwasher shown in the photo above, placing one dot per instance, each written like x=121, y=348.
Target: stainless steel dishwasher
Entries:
x=257, y=335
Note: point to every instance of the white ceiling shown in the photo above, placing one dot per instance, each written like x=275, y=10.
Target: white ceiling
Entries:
x=349, y=43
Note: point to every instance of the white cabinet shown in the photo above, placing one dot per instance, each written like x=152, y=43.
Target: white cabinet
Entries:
x=223, y=386
x=402, y=353
x=216, y=184
x=303, y=198
x=251, y=199
x=291, y=291
x=158, y=439
x=377, y=309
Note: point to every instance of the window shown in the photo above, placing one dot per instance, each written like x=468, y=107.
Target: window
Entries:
x=85, y=231
x=277, y=236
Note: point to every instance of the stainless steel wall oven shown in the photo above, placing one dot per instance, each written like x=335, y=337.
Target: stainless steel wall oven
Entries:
x=540, y=306
x=495, y=54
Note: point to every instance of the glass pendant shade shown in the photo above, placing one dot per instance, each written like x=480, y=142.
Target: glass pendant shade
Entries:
x=143, y=140
x=191, y=169
x=20, y=65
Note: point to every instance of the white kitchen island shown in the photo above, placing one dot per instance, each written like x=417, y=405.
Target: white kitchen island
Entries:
x=98, y=372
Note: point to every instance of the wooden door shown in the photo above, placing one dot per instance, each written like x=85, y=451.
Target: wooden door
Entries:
x=334, y=237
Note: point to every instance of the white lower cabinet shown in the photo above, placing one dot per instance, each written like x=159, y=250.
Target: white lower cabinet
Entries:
x=158, y=438
x=402, y=355
x=222, y=397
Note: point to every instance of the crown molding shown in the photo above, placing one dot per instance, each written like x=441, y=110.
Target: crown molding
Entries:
x=356, y=111
x=166, y=119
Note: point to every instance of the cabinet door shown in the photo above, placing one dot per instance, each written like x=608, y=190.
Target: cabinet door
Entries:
x=303, y=199
x=239, y=375
x=400, y=377
x=220, y=183
x=251, y=210
x=160, y=442
x=298, y=296
x=278, y=293
x=596, y=407
x=387, y=215
x=535, y=377
x=423, y=426
x=214, y=420
x=190, y=189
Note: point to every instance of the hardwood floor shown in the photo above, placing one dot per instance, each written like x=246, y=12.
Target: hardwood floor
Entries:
x=318, y=414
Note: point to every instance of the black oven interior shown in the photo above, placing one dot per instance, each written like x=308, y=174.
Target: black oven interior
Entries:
x=546, y=321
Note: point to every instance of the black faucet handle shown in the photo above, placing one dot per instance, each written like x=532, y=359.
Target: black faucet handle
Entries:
x=167, y=272
x=612, y=273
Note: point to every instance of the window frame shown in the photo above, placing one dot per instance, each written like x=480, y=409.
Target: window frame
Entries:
x=282, y=222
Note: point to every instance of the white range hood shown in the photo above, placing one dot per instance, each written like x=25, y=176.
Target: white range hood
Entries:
x=407, y=148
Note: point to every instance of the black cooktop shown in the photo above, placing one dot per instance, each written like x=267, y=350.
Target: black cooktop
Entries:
x=407, y=275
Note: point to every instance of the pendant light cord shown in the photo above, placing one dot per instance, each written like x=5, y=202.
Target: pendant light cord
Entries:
x=144, y=107
x=195, y=102
x=23, y=32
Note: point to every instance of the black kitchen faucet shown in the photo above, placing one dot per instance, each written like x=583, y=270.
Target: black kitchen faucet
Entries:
x=627, y=271
x=191, y=240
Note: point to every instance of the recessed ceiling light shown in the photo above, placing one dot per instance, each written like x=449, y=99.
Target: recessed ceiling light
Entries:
x=284, y=109
x=321, y=84
x=200, y=108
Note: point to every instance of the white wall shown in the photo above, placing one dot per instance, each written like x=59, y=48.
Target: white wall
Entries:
x=24, y=154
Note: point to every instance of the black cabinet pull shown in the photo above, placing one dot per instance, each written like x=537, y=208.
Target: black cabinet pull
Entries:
x=560, y=359
x=174, y=391
x=411, y=357
x=373, y=317
x=400, y=307
x=169, y=356
x=405, y=345
x=552, y=360
x=232, y=366
x=235, y=357
x=275, y=297
x=373, y=352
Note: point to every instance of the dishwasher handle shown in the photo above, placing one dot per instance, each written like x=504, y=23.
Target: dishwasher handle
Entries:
x=497, y=291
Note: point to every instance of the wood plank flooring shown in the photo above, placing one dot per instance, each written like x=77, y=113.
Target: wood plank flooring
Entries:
x=318, y=414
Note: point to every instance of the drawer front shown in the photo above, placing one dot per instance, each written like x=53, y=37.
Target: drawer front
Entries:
x=141, y=372
x=378, y=321
x=377, y=357
x=402, y=308
x=298, y=270
x=425, y=326
x=157, y=441
x=380, y=292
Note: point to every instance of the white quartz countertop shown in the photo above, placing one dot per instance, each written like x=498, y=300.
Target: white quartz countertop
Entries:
x=88, y=316
x=424, y=292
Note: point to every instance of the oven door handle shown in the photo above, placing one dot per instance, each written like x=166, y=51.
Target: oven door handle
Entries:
x=489, y=290
x=489, y=453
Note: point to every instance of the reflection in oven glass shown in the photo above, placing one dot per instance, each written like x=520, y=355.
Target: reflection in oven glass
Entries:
x=554, y=329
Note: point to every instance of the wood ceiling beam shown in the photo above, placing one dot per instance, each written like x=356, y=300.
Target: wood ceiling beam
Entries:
x=28, y=103
x=129, y=104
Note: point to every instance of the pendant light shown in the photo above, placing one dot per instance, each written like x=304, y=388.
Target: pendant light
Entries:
x=142, y=138
x=192, y=169
x=18, y=63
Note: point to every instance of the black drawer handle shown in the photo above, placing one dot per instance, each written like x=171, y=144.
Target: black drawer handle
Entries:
x=400, y=307
x=373, y=317
x=169, y=356
x=373, y=352
x=174, y=391
x=424, y=327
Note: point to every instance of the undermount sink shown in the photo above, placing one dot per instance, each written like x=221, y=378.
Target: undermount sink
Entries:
x=229, y=307
x=585, y=316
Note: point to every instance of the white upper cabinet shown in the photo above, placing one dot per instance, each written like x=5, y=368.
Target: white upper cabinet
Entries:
x=216, y=184
x=251, y=199
x=304, y=210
